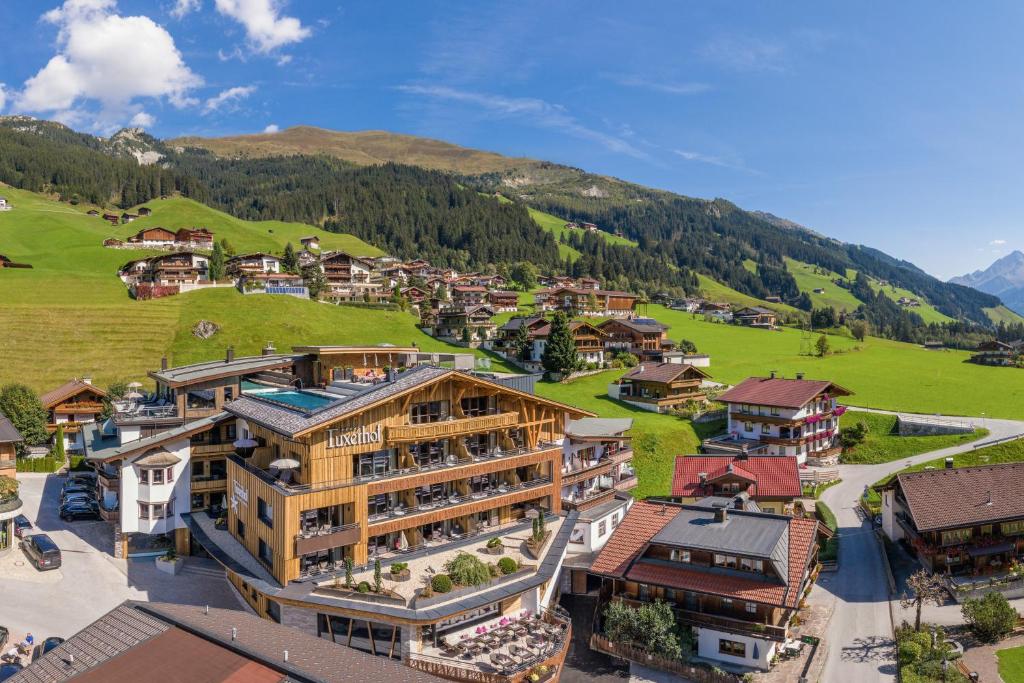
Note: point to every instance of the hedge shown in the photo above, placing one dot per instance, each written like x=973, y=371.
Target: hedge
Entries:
x=45, y=464
x=826, y=515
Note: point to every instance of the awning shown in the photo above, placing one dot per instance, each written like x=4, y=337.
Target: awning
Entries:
x=990, y=549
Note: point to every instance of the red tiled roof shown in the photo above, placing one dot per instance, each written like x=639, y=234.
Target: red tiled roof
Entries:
x=468, y=288
x=778, y=391
x=639, y=526
x=736, y=587
x=775, y=476
x=964, y=496
x=66, y=391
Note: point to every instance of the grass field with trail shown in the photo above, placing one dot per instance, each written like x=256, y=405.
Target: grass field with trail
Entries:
x=883, y=444
x=807, y=280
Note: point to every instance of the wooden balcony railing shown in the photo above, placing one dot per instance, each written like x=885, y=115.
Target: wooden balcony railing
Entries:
x=449, y=428
x=335, y=537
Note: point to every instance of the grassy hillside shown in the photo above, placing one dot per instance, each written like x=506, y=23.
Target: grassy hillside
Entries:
x=362, y=147
x=926, y=310
x=713, y=290
x=71, y=316
x=808, y=280
x=556, y=226
x=1003, y=314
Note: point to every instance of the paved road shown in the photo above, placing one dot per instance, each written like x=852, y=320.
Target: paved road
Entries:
x=90, y=581
x=859, y=635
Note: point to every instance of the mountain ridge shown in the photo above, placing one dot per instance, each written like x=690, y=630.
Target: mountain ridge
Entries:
x=1003, y=278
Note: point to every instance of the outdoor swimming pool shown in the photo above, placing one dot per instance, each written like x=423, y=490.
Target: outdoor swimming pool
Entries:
x=303, y=400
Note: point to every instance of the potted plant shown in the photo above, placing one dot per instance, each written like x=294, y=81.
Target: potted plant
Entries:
x=170, y=563
x=495, y=546
x=400, y=571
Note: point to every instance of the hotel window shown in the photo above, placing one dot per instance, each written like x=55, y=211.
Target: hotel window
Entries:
x=744, y=408
x=198, y=501
x=986, y=530
x=766, y=428
x=144, y=476
x=198, y=468
x=752, y=608
x=725, y=561
x=733, y=648
x=239, y=528
x=479, y=405
x=229, y=393
x=751, y=565
x=615, y=520
x=143, y=511
x=602, y=528
x=376, y=464
x=679, y=555
x=265, y=512
x=1012, y=528
x=430, y=411
x=748, y=426
x=156, y=476
x=265, y=555
x=955, y=536
x=775, y=411
x=645, y=592
x=230, y=431
x=481, y=444
x=727, y=603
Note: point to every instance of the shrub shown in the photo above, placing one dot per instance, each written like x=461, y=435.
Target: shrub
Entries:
x=494, y=542
x=991, y=617
x=363, y=587
x=467, y=570
x=507, y=565
x=651, y=626
x=825, y=514
x=909, y=652
x=493, y=569
x=441, y=583
x=399, y=567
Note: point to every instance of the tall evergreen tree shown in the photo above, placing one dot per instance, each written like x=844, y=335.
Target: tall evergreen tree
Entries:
x=560, y=354
x=290, y=260
x=217, y=262
x=521, y=343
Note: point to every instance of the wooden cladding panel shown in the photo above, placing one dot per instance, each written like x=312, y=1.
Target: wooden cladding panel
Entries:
x=255, y=529
x=354, y=500
x=462, y=471
x=470, y=508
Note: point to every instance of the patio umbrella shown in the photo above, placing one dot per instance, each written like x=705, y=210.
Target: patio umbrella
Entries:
x=245, y=447
x=134, y=385
x=285, y=464
x=133, y=395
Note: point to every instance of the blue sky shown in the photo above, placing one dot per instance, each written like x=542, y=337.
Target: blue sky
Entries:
x=895, y=125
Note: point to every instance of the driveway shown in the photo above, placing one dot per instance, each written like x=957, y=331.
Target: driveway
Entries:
x=858, y=638
x=90, y=581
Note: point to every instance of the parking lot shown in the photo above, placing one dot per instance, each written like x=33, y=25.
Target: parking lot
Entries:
x=90, y=580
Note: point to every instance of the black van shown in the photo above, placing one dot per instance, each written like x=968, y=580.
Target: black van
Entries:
x=41, y=551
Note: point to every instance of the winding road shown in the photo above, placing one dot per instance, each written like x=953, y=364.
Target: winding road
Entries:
x=858, y=637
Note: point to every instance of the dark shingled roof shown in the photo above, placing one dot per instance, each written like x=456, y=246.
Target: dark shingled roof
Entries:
x=662, y=372
x=108, y=650
x=641, y=325
x=8, y=434
x=964, y=496
x=778, y=391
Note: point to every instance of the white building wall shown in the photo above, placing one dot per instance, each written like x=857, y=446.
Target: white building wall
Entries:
x=890, y=526
x=179, y=490
x=707, y=646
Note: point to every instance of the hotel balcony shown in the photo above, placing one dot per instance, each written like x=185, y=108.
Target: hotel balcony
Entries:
x=591, y=498
x=207, y=483
x=587, y=469
x=625, y=480
x=126, y=413
x=698, y=616
x=451, y=427
x=316, y=541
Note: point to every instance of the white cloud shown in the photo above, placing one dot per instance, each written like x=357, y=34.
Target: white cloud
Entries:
x=229, y=96
x=272, y=128
x=143, y=120
x=669, y=87
x=745, y=53
x=109, y=59
x=531, y=110
x=3, y=96
x=714, y=161
x=183, y=7
x=997, y=243
x=264, y=26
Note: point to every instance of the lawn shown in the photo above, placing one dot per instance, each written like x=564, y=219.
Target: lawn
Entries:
x=1009, y=451
x=808, y=280
x=70, y=316
x=927, y=312
x=657, y=439
x=1011, y=664
x=883, y=444
x=556, y=226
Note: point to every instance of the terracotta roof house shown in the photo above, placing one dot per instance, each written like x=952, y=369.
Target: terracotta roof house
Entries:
x=964, y=522
x=198, y=238
x=771, y=481
x=174, y=642
x=660, y=387
x=465, y=296
x=734, y=577
x=588, y=338
x=779, y=416
x=71, y=405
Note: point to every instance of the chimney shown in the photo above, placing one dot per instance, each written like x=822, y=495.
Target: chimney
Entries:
x=163, y=363
x=702, y=476
x=772, y=375
x=949, y=463
x=286, y=655
x=744, y=453
x=230, y=356
x=721, y=515
x=269, y=349
x=799, y=375
x=234, y=633
x=87, y=379
x=737, y=502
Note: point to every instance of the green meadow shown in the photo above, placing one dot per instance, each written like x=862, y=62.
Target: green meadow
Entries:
x=884, y=444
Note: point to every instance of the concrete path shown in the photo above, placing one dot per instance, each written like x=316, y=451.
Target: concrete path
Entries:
x=858, y=639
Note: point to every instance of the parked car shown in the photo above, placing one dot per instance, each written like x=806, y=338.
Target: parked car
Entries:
x=45, y=646
x=75, y=488
x=41, y=551
x=79, y=510
x=77, y=497
x=9, y=669
x=21, y=527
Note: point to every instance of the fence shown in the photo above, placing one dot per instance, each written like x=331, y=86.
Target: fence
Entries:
x=994, y=442
x=712, y=416
x=697, y=674
x=820, y=475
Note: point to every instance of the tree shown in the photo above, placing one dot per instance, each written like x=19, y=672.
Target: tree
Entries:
x=821, y=346
x=217, y=262
x=115, y=392
x=686, y=346
x=290, y=260
x=25, y=412
x=229, y=250
x=467, y=570
x=521, y=342
x=560, y=354
x=377, y=580
x=315, y=280
x=348, y=572
x=524, y=274
x=859, y=329
x=990, y=617
x=58, y=445
x=924, y=587
x=467, y=336
x=651, y=626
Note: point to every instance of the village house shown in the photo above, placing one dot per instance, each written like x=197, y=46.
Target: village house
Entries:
x=734, y=578
x=755, y=316
x=646, y=338
x=129, y=217
x=597, y=463
x=908, y=302
x=349, y=278
x=474, y=323
x=589, y=340
x=310, y=242
x=576, y=301
x=194, y=238
x=769, y=483
x=4, y=206
x=307, y=258
x=249, y=264
x=465, y=296
x=503, y=301
x=779, y=416
x=6, y=262
x=660, y=387
x=716, y=311
x=145, y=211
x=966, y=523
x=415, y=295
x=701, y=360
x=71, y=405
x=289, y=284
x=153, y=238
x=1000, y=353
x=166, y=274
x=112, y=218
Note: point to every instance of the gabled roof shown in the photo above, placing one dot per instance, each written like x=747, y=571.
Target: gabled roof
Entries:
x=781, y=392
x=754, y=310
x=662, y=372
x=599, y=426
x=8, y=432
x=963, y=496
x=68, y=390
x=641, y=325
x=773, y=476
x=518, y=321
